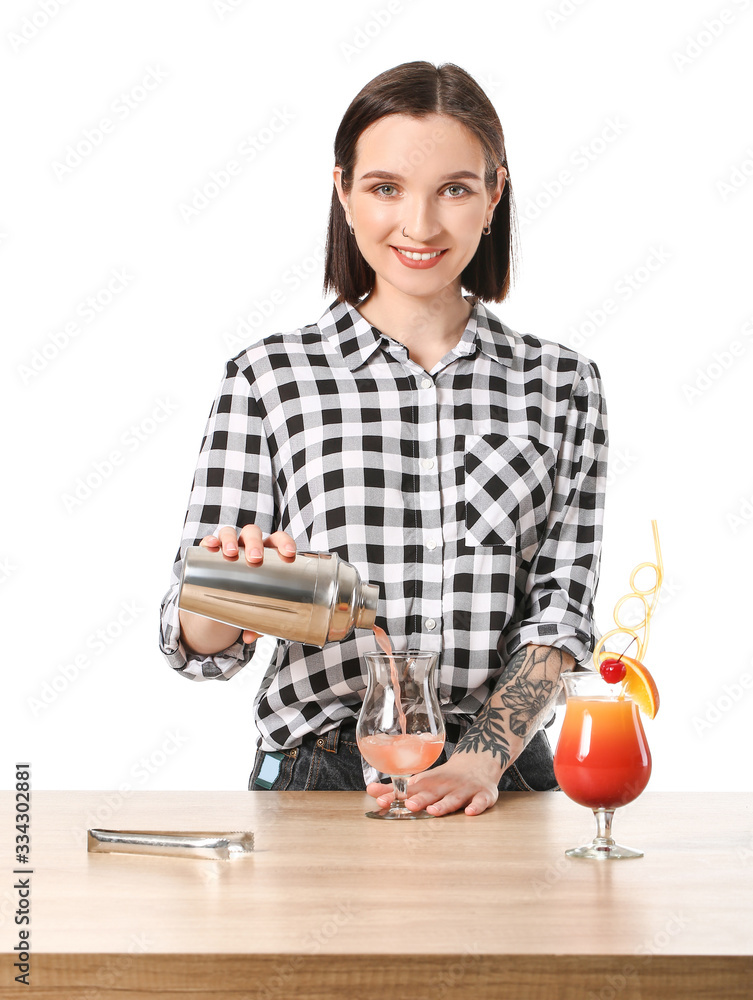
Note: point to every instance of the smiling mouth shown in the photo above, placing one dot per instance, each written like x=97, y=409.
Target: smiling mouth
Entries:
x=420, y=254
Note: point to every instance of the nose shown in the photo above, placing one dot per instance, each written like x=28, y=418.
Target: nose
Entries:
x=421, y=223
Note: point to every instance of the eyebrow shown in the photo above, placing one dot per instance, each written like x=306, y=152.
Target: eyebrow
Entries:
x=458, y=175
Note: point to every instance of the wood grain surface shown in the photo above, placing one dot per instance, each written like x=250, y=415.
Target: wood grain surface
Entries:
x=332, y=904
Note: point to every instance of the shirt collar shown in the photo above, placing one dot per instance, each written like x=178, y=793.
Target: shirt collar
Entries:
x=356, y=339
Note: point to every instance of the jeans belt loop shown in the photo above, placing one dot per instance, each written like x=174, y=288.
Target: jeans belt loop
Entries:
x=331, y=738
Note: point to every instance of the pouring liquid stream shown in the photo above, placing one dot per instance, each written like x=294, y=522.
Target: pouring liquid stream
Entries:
x=402, y=754
x=384, y=644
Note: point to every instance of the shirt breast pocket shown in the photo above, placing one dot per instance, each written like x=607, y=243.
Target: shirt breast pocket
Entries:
x=508, y=490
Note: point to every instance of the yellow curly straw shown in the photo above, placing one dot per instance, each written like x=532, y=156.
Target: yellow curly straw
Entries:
x=637, y=594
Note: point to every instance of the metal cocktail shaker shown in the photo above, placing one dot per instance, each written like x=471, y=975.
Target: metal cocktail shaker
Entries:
x=314, y=598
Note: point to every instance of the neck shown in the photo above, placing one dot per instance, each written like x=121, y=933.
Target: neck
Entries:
x=427, y=325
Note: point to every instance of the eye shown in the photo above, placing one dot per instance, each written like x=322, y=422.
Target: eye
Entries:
x=460, y=188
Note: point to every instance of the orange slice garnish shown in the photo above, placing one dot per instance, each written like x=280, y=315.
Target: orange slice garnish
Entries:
x=638, y=683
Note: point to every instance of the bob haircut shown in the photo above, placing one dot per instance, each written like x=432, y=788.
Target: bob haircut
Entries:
x=419, y=89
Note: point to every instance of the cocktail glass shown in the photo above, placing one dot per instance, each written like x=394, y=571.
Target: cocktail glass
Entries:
x=400, y=729
x=602, y=759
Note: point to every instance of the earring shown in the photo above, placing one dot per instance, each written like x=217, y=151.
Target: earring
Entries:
x=351, y=229
x=487, y=229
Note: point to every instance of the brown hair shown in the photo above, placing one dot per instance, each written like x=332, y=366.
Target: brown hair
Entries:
x=420, y=89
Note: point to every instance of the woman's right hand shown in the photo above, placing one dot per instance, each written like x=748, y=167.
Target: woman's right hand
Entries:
x=250, y=540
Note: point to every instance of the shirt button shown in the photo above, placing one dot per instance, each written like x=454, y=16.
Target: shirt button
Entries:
x=430, y=624
x=426, y=384
x=428, y=463
x=431, y=544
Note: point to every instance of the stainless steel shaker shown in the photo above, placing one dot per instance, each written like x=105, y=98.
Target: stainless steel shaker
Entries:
x=315, y=598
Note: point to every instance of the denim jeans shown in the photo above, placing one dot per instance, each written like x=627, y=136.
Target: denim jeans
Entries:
x=332, y=762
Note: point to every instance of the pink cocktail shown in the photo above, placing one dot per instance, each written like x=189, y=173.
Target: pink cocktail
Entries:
x=401, y=754
x=400, y=729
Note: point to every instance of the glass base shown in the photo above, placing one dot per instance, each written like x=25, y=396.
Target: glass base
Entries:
x=603, y=846
x=396, y=808
x=603, y=850
x=399, y=812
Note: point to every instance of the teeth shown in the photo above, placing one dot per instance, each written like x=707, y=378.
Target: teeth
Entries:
x=419, y=256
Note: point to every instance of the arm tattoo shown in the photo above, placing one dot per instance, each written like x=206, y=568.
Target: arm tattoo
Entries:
x=523, y=694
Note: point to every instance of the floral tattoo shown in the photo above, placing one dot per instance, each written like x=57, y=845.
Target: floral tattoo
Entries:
x=522, y=696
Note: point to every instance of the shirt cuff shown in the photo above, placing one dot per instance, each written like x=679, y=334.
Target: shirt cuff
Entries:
x=562, y=634
x=196, y=666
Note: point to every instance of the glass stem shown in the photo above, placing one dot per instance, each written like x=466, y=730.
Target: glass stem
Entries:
x=400, y=785
x=604, y=825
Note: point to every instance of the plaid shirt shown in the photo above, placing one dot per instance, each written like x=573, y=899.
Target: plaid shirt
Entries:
x=472, y=495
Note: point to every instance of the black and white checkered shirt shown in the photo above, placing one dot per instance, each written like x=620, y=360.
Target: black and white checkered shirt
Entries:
x=472, y=495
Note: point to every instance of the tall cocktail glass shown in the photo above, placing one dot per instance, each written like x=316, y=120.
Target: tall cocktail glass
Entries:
x=602, y=759
x=400, y=729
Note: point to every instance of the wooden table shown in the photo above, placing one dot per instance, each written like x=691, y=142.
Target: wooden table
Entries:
x=332, y=904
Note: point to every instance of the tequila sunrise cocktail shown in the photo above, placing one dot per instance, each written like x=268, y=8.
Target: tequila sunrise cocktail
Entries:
x=602, y=759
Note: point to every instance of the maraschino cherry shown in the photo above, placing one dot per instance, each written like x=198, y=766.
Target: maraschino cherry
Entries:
x=612, y=670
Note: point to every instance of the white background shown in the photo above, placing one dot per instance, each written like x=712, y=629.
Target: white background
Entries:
x=643, y=105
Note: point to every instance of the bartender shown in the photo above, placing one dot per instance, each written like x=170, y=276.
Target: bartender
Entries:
x=457, y=464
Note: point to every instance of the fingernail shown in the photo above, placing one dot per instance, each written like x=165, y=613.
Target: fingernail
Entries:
x=255, y=553
x=289, y=550
x=231, y=548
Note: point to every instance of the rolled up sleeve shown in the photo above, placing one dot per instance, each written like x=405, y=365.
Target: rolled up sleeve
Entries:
x=233, y=485
x=557, y=609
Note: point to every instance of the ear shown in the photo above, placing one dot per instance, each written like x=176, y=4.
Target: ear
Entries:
x=337, y=177
x=501, y=181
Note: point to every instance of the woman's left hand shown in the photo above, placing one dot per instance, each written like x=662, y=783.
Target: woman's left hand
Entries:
x=466, y=779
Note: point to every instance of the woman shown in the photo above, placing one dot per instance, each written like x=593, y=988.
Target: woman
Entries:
x=457, y=464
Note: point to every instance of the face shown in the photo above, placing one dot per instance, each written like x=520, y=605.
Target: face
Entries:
x=424, y=175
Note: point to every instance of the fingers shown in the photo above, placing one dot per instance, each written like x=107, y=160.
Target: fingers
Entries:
x=249, y=636
x=441, y=797
x=377, y=788
x=476, y=800
x=479, y=803
x=452, y=802
x=283, y=543
x=250, y=539
x=226, y=538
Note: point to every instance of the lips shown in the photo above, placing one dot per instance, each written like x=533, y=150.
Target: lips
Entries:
x=419, y=249
x=420, y=264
